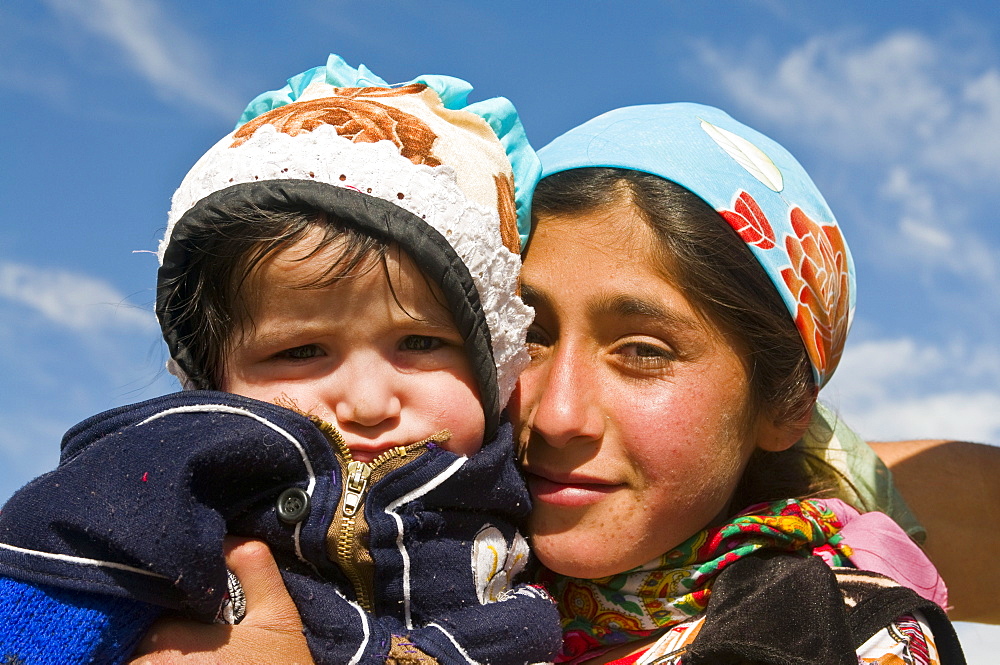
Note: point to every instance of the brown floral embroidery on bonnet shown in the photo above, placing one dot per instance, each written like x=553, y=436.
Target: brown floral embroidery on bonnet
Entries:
x=356, y=118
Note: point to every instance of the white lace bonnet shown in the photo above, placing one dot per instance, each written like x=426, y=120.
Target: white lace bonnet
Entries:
x=412, y=162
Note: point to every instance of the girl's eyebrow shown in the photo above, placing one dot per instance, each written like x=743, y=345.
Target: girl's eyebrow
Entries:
x=621, y=306
x=628, y=306
x=530, y=295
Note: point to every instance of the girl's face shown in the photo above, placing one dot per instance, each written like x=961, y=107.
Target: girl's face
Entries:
x=633, y=412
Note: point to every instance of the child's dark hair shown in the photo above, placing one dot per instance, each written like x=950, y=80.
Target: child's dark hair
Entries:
x=207, y=303
x=717, y=272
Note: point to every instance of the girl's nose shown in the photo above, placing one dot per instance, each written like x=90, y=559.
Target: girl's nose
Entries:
x=558, y=395
x=366, y=394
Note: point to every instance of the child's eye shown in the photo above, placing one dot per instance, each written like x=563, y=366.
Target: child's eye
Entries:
x=420, y=343
x=303, y=352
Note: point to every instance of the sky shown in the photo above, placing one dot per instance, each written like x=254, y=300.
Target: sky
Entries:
x=893, y=108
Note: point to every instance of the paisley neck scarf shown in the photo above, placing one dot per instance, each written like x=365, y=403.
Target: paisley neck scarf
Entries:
x=676, y=586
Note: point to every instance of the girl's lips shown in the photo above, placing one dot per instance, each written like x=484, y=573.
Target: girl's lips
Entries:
x=568, y=494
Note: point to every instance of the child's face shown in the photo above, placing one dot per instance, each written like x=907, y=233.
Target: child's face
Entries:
x=386, y=365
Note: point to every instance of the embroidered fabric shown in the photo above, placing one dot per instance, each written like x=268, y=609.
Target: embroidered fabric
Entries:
x=863, y=480
x=675, y=589
x=906, y=641
x=234, y=605
x=498, y=112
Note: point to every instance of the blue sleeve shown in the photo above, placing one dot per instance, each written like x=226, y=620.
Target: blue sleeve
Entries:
x=40, y=625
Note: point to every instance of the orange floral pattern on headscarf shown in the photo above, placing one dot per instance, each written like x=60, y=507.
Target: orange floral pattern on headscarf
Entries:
x=749, y=221
x=818, y=279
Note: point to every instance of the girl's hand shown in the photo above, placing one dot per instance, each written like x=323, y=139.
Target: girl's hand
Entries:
x=270, y=633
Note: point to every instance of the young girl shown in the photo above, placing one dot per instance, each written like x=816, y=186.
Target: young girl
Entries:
x=348, y=252
x=692, y=293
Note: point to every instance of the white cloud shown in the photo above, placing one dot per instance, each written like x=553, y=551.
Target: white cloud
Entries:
x=966, y=416
x=906, y=97
x=901, y=388
x=970, y=140
x=71, y=300
x=911, y=122
x=930, y=230
x=919, y=209
x=156, y=47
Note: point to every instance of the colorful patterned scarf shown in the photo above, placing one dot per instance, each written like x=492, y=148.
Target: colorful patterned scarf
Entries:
x=677, y=585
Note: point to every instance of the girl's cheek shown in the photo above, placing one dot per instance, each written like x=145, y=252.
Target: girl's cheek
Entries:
x=528, y=392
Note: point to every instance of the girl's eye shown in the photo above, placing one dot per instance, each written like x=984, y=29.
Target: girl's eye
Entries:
x=303, y=352
x=534, y=338
x=420, y=343
x=535, y=341
x=645, y=351
x=647, y=356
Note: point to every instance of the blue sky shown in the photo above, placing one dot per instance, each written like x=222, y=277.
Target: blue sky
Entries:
x=893, y=107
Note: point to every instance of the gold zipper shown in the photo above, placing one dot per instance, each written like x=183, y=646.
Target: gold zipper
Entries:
x=347, y=537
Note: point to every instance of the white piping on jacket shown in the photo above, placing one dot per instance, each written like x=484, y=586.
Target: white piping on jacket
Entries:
x=222, y=408
x=454, y=642
x=82, y=561
x=364, y=624
x=391, y=510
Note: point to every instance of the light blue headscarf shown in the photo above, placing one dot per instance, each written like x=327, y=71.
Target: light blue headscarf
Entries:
x=757, y=187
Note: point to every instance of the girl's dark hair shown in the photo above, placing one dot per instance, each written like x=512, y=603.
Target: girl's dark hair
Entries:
x=716, y=271
x=209, y=303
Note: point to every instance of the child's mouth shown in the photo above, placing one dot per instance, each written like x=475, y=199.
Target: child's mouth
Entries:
x=367, y=451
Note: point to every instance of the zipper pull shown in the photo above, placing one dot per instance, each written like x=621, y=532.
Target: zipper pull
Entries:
x=357, y=483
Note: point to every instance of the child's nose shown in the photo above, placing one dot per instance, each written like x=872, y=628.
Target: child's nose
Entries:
x=367, y=396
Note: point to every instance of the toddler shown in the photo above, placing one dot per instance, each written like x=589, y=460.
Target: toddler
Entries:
x=338, y=291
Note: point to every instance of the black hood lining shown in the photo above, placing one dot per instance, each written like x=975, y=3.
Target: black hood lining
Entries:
x=431, y=252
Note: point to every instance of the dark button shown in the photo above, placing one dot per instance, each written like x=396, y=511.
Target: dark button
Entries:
x=293, y=505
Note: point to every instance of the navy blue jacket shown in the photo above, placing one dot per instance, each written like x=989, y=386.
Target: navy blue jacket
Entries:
x=144, y=495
